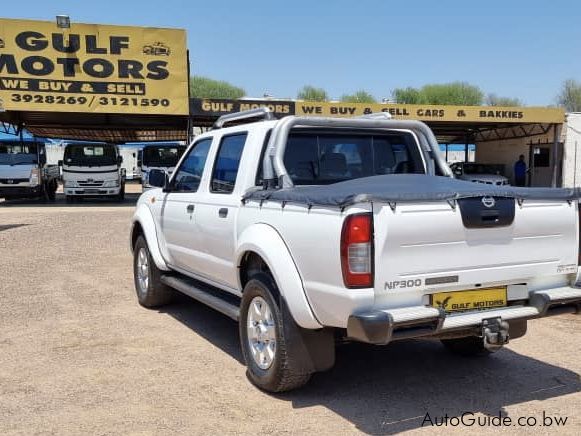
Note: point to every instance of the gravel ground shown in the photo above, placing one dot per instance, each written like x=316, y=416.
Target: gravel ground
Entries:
x=79, y=356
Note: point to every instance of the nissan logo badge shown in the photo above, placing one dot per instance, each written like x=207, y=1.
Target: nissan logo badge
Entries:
x=488, y=201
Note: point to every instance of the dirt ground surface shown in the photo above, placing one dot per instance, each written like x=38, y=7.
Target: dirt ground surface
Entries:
x=78, y=355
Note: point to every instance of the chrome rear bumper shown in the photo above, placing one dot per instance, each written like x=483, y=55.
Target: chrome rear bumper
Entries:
x=384, y=326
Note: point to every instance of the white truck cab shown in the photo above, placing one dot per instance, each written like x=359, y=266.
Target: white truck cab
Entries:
x=162, y=157
x=92, y=170
x=24, y=172
x=305, y=230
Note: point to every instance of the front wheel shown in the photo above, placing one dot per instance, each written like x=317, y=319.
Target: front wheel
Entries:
x=263, y=342
x=151, y=292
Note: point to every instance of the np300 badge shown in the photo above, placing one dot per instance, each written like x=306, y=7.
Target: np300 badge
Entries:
x=399, y=284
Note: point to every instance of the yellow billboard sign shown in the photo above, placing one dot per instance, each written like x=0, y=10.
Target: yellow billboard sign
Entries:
x=435, y=112
x=92, y=68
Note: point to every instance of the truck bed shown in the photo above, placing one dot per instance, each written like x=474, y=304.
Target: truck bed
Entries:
x=404, y=188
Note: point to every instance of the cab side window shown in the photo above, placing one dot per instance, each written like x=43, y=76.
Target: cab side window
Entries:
x=190, y=171
x=227, y=163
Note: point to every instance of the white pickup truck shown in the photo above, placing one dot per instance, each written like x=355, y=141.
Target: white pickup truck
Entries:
x=310, y=231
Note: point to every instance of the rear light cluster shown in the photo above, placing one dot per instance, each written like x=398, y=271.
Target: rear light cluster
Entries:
x=357, y=251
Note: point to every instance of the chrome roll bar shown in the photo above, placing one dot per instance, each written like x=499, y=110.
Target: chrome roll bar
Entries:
x=261, y=113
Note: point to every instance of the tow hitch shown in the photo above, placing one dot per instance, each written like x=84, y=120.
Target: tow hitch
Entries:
x=494, y=333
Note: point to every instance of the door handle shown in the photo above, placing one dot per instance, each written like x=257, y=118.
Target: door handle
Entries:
x=223, y=212
x=190, y=208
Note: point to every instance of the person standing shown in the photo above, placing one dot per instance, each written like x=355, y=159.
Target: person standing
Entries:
x=520, y=171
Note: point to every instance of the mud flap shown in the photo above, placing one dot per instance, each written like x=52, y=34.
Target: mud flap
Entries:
x=311, y=350
x=517, y=328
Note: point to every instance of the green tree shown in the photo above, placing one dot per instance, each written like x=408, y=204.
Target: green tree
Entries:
x=452, y=93
x=570, y=95
x=203, y=87
x=407, y=95
x=441, y=93
x=360, y=96
x=494, y=100
x=311, y=93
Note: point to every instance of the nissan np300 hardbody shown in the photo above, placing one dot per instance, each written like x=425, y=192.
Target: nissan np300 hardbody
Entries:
x=306, y=230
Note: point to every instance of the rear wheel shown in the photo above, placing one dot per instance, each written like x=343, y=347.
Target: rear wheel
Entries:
x=468, y=346
x=151, y=292
x=263, y=340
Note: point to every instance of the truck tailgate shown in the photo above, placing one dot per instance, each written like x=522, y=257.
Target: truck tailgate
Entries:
x=431, y=247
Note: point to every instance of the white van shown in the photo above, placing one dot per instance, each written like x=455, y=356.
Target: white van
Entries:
x=92, y=170
x=24, y=172
x=160, y=157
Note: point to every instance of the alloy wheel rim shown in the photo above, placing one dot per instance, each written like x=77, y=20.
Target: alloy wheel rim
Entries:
x=261, y=333
x=142, y=270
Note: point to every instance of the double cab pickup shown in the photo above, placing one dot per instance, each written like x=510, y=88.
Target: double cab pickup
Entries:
x=311, y=231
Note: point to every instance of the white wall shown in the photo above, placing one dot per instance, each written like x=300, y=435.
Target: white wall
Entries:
x=507, y=152
x=572, y=151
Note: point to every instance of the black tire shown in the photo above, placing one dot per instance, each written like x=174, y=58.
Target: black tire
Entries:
x=471, y=346
x=283, y=373
x=155, y=293
x=69, y=198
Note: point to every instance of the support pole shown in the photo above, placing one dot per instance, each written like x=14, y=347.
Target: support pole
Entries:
x=555, y=157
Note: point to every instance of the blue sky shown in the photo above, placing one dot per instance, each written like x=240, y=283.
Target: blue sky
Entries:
x=521, y=49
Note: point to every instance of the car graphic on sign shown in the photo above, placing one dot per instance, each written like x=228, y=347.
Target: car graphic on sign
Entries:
x=156, y=49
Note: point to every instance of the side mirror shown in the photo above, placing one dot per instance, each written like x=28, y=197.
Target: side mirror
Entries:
x=119, y=160
x=60, y=163
x=157, y=178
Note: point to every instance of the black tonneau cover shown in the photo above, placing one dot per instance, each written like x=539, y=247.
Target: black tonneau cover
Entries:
x=396, y=188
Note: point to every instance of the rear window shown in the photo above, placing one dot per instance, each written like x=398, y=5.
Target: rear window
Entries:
x=323, y=158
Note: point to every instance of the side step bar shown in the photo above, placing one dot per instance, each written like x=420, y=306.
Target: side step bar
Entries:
x=229, y=305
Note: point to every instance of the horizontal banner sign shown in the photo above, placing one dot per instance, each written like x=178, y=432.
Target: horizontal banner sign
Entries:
x=215, y=108
x=92, y=68
x=473, y=114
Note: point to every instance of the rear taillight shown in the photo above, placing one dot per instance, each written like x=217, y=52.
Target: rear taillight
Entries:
x=357, y=251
